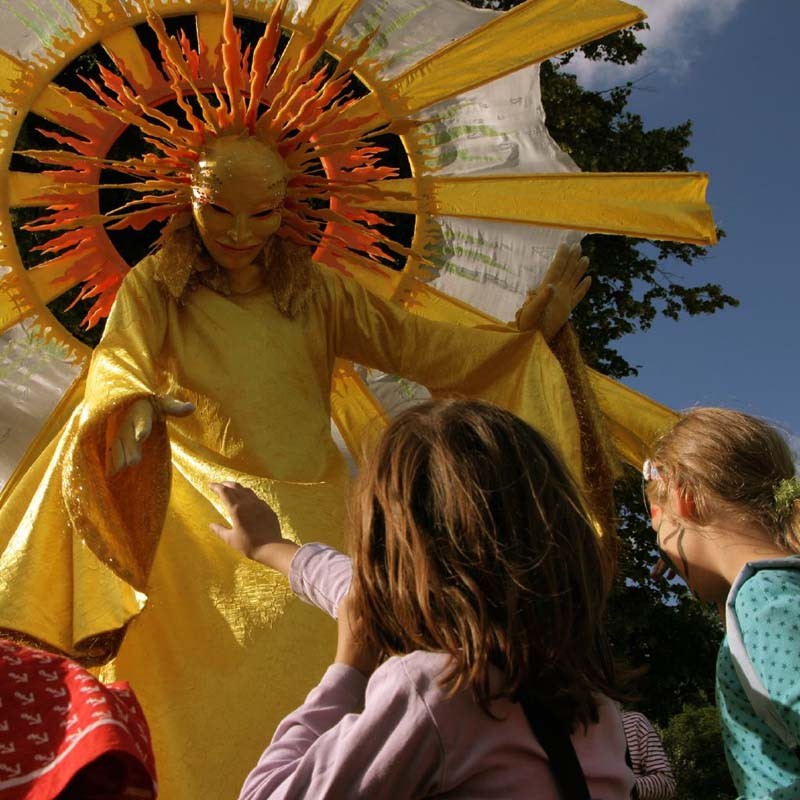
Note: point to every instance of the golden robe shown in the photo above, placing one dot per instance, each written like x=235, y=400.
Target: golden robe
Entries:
x=215, y=646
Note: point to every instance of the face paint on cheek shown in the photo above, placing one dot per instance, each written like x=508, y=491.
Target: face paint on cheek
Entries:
x=677, y=531
x=682, y=554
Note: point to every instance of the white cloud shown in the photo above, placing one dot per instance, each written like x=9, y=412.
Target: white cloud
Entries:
x=678, y=30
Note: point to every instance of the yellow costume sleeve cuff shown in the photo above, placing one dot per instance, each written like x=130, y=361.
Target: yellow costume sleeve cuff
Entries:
x=120, y=517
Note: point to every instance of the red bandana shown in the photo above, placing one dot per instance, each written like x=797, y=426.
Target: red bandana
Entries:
x=56, y=720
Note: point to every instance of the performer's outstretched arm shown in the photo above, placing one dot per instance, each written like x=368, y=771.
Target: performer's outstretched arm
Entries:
x=514, y=369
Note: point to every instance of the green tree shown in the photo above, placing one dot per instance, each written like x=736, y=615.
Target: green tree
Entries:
x=692, y=741
x=652, y=625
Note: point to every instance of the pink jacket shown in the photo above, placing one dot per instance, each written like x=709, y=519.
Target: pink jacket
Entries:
x=397, y=734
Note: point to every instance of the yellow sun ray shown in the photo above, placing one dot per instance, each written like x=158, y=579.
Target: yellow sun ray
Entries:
x=124, y=45
x=633, y=420
x=49, y=282
x=13, y=307
x=650, y=205
x=25, y=187
x=379, y=280
x=100, y=12
x=318, y=12
x=527, y=34
x=59, y=105
x=210, y=31
x=654, y=205
x=359, y=417
x=12, y=74
x=102, y=17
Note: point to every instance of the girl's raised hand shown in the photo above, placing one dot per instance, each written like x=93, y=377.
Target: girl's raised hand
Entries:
x=255, y=528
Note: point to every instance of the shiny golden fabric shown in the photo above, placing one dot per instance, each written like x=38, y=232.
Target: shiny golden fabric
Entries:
x=215, y=646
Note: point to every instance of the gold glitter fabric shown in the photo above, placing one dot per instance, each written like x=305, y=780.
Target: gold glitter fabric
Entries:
x=214, y=644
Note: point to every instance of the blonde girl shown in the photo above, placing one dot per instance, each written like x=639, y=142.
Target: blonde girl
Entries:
x=724, y=505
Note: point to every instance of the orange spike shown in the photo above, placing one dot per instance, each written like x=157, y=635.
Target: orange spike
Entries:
x=193, y=60
x=331, y=124
x=190, y=56
x=305, y=102
x=263, y=61
x=232, y=69
x=223, y=115
x=173, y=58
x=140, y=219
x=130, y=117
x=298, y=72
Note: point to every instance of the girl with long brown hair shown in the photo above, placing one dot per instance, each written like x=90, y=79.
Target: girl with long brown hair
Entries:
x=477, y=582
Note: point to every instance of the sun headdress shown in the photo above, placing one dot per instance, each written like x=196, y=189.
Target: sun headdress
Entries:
x=298, y=105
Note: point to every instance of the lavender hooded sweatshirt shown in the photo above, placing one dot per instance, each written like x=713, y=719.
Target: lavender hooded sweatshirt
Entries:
x=397, y=735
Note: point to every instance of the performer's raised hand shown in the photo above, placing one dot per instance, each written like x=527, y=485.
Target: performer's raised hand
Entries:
x=136, y=427
x=255, y=528
x=564, y=285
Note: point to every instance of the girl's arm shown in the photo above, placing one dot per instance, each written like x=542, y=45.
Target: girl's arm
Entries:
x=339, y=743
x=318, y=574
x=255, y=528
x=331, y=748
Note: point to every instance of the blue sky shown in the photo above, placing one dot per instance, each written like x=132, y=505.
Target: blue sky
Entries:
x=731, y=67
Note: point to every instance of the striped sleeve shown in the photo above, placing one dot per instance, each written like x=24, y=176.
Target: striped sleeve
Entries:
x=654, y=778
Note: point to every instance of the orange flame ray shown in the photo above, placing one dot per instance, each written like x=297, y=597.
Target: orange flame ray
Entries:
x=297, y=73
x=173, y=58
x=263, y=62
x=138, y=220
x=232, y=70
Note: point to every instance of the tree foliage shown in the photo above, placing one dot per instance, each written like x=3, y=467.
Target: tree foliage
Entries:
x=653, y=625
x=692, y=741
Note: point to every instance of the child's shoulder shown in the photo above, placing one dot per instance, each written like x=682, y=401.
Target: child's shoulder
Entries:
x=419, y=674
x=766, y=609
x=421, y=668
x=424, y=674
x=769, y=586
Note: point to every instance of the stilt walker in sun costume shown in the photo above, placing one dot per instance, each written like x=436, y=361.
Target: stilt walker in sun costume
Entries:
x=266, y=162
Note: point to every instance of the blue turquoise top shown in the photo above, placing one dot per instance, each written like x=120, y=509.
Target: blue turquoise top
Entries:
x=768, y=609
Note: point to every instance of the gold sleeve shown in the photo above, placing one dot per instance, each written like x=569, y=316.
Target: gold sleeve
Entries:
x=514, y=370
x=121, y=517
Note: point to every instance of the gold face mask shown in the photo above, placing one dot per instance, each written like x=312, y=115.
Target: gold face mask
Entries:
x=238, y=190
